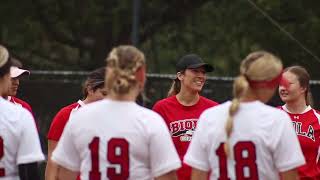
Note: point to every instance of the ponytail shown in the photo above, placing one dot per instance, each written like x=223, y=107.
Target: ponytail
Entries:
x=309, y=99
x=175, y=87
x=240, y=87
x=257, y=67
x=122, y=64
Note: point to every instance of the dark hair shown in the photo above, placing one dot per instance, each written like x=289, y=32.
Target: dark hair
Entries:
x=16, y=62
x=303, y=78
x=5, y=69
x=94, y=81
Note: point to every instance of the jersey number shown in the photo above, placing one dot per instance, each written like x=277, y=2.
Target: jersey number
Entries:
x=117, y=154
x=245, y=159
x=2, y=171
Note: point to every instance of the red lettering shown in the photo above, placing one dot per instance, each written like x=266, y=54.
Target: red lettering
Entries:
x=189, y=124
x=182, y=126
x=174, y=127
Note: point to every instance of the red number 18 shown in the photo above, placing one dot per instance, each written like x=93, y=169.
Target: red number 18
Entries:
x=241, y=161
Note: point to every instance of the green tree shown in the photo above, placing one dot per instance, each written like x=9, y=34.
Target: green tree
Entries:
x=78, y=34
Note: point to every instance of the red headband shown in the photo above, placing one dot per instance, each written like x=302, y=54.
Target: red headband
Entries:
x=269, y=83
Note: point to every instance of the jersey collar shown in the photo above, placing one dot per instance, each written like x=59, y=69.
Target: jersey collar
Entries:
x=308, y=108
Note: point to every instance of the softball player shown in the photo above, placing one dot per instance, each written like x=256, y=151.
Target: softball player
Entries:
x=258, y=141
x=306, y=121
x=116, y=138
x=16, y=73
x=93, y=90
x=184, y=105
x=19, y=142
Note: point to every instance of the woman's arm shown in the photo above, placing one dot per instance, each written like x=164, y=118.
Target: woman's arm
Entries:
x=51, y=168
x=198, y=174
x=289, y=175
x=168, y=176
x=63, y=174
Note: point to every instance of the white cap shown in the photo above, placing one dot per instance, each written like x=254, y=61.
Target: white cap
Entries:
x=15, y=71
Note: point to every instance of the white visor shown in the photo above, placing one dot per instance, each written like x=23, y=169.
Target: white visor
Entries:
x=15, y=72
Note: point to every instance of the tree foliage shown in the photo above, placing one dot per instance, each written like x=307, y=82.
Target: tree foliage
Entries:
x=77, y=34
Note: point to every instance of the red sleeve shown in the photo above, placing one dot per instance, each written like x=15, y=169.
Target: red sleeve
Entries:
x=215, y=103
x=209, y=102
x=157, y=108
x=26, y=106
x=23, y=104
x=58, y=123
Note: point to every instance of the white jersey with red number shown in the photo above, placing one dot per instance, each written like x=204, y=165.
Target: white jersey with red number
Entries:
x=116, y=140
x=19, y=140
x=263, y=143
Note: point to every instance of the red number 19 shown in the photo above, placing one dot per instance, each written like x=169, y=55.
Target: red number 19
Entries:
x=117, y=153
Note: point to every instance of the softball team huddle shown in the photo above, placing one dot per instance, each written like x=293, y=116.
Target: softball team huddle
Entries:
x=107, y=135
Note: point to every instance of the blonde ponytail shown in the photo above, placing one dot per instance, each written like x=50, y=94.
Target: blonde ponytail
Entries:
x=240, y=87
x=175, y=87
x=122, y=63
x=258, y=66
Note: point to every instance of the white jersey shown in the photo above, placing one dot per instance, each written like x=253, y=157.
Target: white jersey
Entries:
x=19, y=140
x=263, y=143
x=80, y=104
x=116, y=140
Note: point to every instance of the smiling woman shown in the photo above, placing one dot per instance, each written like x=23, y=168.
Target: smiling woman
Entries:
x=244, y=138
x=296, y=95
x=184, y=105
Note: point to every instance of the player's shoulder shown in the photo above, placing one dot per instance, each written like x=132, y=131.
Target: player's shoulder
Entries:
x=170, y=99
x=168, y=102
x=208, y=101
x=64, y=113
x=20, y=101
x=12, y=112
x=92, y=109
x=218, y=108
x=311, y=113
x=270, y=114
x=145, y=112
x=261, y=107
x=216, y=114
x=69, y=108
x=93, y=106
x=316, y=112
x=149, y=119
x=131, y=107
x=9, y=107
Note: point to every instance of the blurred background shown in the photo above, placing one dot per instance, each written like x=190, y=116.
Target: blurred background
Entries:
x=61, y=41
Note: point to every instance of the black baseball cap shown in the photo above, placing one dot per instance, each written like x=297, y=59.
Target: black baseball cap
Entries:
x=192, y=61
